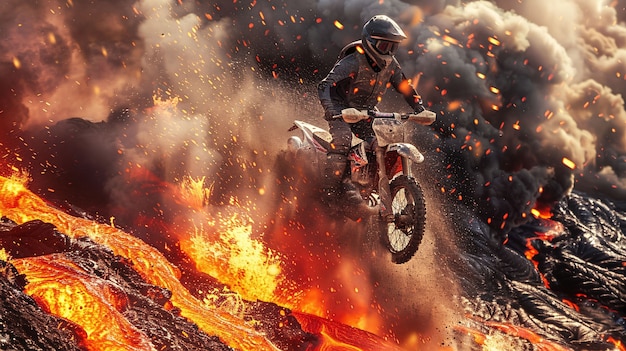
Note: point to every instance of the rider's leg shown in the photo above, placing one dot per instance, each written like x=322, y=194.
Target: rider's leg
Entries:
x=334, y=186
x=333, y=171
x=334, y=165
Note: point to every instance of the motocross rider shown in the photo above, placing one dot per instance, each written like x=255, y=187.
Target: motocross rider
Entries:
x=359, y=79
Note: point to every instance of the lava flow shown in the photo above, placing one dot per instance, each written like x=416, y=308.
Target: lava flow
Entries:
x=20, y=205
x=67, y=291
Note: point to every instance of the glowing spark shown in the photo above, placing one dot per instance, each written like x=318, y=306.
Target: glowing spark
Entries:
x=493, y=41
x=494, y=90
x=450, y=39
x=16, y=63
x=338, y=24
x=454, y=105
x=569, y=163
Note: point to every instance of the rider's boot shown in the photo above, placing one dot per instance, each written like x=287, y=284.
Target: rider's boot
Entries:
x=356, y=207
x=341, y=193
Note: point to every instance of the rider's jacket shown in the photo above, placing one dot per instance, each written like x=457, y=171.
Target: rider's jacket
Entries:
x=356, y=81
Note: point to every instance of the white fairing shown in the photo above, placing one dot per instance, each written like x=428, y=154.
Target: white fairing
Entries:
x=309, y=130
x=388, y=131
x=407, y=150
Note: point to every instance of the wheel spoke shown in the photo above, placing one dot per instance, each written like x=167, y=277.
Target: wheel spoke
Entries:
x=399, y=237
x=403, y=235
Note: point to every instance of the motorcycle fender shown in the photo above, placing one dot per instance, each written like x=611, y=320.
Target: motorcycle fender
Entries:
x=407, y=150
x=315, y=136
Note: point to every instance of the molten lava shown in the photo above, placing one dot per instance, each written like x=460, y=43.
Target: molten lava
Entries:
x=21, y=205
x=67, y=291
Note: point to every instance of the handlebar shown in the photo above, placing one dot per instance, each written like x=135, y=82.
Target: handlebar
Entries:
x=352, y=115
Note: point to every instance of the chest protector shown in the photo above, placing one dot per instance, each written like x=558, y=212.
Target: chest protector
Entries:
x=370, y=81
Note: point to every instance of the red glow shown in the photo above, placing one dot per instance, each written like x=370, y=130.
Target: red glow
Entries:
x=619, y=345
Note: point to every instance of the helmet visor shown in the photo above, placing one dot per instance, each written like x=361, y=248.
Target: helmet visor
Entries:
x=386, y=47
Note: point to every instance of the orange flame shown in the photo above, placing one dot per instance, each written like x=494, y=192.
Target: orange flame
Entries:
x=619, y=345
x=234, y=258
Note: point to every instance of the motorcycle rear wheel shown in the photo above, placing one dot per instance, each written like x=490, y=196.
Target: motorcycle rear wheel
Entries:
x=402, y=236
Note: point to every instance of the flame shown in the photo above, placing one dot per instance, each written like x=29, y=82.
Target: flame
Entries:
x=194, y=193
x=235, y=259
x=619, y=345
x=20, y=205
x=4, y=256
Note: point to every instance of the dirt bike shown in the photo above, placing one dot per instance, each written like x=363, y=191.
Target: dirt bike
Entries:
x=380, y=169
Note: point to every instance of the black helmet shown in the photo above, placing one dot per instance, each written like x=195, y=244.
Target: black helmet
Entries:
x=381, y=36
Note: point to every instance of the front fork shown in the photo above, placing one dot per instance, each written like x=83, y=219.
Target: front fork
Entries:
x=383, y=186
x=383, y=182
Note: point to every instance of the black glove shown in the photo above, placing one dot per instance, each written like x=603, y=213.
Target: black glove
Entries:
x=330, y=114
x=418, y=108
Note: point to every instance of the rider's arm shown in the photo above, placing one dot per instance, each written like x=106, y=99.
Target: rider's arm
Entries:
x=404, y=87
x=333, y=90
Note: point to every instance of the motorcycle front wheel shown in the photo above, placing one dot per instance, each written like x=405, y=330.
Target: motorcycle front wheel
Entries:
x=403, y=235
